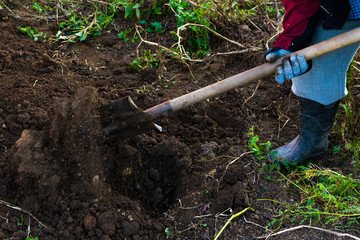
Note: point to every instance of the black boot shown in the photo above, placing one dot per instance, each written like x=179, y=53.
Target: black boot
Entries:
x=316, y=121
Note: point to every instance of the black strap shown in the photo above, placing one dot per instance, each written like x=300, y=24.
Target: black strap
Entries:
x=335, y=13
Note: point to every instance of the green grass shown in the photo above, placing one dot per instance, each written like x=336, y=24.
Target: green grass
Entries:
x=347, y=120
x=328, y=198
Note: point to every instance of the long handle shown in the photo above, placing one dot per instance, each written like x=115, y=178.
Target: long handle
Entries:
x=253, y=74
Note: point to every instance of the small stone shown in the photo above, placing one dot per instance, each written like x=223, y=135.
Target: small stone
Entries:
x=96, y=180
x=69, y=220
x=208, y=150
x=89, y=222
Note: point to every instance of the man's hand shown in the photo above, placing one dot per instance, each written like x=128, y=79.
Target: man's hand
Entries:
x=291, y=66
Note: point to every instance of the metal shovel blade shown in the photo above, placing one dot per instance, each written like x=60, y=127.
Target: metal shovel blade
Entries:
x=123, y=119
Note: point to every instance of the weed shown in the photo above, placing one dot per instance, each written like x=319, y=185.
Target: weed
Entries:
x=260, y=149
x=167, y=85
x=93, y=18
x=21, y=222
x=86, y=19
x=347, y=121
x=41, y=9
x=168, y=232
x=155, y=27
x=143, y=89
x=130, y=8
x=37, y=7
x=327, y=197
x=147, y=60
x=124, y=34
x=198, y=39
x=33, y=33
x=268, y=178
x=79, y=27
x=336, y=150
x=156, y=9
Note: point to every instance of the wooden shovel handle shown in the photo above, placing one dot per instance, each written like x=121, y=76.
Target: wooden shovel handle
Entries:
x=253, y=74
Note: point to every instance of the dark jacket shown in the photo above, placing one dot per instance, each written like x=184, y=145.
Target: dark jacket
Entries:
x=301, y=17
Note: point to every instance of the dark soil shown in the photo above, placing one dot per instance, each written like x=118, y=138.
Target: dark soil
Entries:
x=70, y=184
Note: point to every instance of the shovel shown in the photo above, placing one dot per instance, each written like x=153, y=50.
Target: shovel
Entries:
x=124, y=119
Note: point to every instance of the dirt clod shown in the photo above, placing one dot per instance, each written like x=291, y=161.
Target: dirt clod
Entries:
x=107, y=222
x=89, y=222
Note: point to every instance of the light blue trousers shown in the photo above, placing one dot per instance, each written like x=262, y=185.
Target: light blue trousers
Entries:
x=326, y=81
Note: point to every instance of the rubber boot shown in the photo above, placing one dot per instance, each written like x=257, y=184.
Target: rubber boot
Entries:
x=316, y=121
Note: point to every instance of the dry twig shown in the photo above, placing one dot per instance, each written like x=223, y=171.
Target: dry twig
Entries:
x=253, y=94
x=209, y=29
x=228, y=165
x=311, y=227
x=253, y=223
x=9, y=205
x=14, y=14
x=5, y=218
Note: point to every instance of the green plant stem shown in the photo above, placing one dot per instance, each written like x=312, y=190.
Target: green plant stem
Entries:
x=296, y=185
x=272, y=200
x=322, y=213
x=330, y=214
x=230, y=219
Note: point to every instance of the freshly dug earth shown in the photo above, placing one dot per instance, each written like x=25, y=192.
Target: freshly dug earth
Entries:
x=59, y=179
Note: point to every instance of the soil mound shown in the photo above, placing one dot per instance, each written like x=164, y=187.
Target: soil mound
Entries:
x=68, y=154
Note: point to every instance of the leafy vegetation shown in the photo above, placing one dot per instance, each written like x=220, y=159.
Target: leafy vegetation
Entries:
x=124, y=34
x=198, y=39
x=327, y=198
x=348, y=119
x=147, y=60
x=33, y=33
x=260, y=149
x=84, y=20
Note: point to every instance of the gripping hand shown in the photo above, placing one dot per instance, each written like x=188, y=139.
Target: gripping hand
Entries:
x=291, y=66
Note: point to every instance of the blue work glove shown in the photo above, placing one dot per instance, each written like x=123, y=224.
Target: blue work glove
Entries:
x=291, y=66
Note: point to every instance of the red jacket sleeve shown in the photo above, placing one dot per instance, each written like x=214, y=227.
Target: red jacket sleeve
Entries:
x=299, y=23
